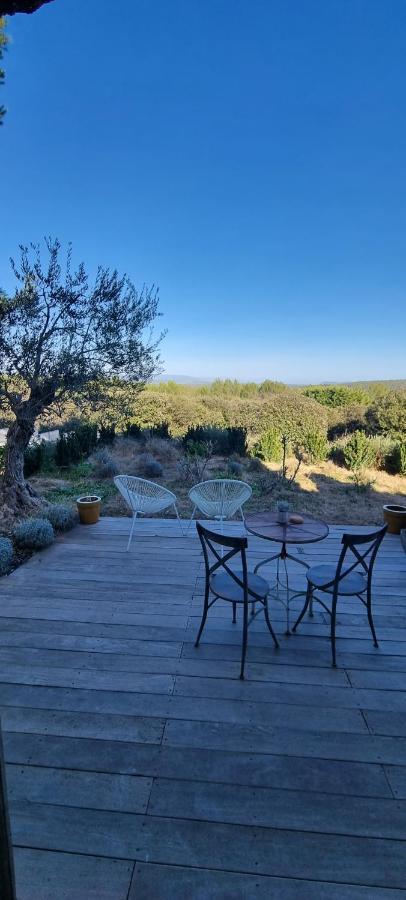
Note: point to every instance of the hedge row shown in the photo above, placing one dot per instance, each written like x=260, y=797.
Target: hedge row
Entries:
x=289, y=413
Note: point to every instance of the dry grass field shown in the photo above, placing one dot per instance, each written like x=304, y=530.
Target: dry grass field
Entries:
x=323, y=489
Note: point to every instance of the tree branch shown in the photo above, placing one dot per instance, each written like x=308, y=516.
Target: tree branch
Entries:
x=10, y=7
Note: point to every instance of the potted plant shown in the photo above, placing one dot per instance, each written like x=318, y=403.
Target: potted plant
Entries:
x=395, y=516
x=89, y=509
x=283, y=511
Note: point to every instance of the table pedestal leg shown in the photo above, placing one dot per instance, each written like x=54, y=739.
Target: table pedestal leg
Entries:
x=283, y=555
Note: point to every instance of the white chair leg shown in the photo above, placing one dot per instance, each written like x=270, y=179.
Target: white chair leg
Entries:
x=178, y=518
x=131, y=531
x=191, y=520
x=243, y=519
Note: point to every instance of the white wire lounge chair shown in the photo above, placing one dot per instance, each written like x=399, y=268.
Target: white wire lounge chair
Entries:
x=144, y=498
x=219, y=499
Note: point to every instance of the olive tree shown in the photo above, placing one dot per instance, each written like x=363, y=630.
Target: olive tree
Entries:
x=63, y=337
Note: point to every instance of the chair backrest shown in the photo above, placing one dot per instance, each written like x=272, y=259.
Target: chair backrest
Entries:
x=236, y=546
x=358, y=550
x=138, y=492
x=220, y=496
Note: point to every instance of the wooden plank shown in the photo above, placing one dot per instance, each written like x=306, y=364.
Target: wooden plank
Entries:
x=98, y=680
x=71, y=787
x=153, y=881
x=72, y=724
x=262, y=770
x=188, y=708
x=46, y=875
x=288, y=741
x=113, y=648
x=201, y=709
x=307, y=695
x=396, y=776
x=273, y=808
x=264, y=851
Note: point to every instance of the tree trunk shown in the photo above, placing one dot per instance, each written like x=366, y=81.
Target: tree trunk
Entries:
x=16, y=494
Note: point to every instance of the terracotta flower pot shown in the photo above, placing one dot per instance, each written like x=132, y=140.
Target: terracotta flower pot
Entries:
x=395, y=516
x=89, y=509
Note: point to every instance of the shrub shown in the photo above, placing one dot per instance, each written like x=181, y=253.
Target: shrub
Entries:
x=164, y=450
x=34, y=534
x=34, y=458
x=359, y=452
x=77, y=439
x=314, y=446
x=255, y=464
x=107, y=434
x=6, y=554
x=224, y=441
x=133, y=431
x=235, y=468
x=335, y=395
x=388, y=414
x=104, y=465
x=270, y=446
x=62, y=518
x=395, y=461
x=343, y=420
x=237, y=441
x=148, y=466
x=160, y=431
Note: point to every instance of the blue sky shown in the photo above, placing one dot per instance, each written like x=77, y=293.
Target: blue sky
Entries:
x=246, y=155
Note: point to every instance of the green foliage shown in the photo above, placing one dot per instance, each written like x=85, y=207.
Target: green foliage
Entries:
x=314, y=446
x=134, y=431
x=63, y=452
x=272, y=387
x=77, y=440
x=388, y=414
x=6, y=555
x=107, y=434
x=343, y=420
x=336, y=394
x=34, y=458
x=62, y=518
x=270, y=446
x=224, y=441
x=359, y=453
x=34, y=534
x=160, y=431
x=395, y=462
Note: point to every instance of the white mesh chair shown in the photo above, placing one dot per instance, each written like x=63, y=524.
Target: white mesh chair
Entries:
x=144, y=498
x=219, y=499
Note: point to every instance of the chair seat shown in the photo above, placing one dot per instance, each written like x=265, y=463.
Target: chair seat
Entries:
x=354, y=583
x=226, y=588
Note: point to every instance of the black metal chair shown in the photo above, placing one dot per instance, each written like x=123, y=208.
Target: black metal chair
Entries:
x=345, y=579
x=237, y=587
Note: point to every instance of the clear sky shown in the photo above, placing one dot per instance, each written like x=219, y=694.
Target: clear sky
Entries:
x=249, y=156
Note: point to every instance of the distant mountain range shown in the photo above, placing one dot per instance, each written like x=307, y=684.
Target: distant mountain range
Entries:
x=184, y=379
x=394, y=384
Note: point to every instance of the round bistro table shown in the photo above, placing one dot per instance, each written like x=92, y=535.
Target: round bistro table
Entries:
x=265, y=525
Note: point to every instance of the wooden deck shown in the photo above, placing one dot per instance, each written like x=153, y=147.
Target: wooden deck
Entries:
x=140, y=768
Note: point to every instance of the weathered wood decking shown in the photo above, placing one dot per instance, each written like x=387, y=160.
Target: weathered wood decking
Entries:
x=140, y=768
